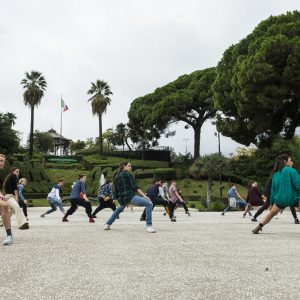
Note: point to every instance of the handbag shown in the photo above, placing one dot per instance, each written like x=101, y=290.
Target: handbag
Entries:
x=232, y=202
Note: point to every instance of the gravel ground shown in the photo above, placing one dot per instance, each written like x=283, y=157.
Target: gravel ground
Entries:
x=205, y=256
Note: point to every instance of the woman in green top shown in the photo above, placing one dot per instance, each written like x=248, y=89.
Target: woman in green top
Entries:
x=285, y=189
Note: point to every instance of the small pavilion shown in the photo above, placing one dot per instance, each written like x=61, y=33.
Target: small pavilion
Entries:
x=61, y=144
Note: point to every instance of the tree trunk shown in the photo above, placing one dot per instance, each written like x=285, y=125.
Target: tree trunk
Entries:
x=31, y=131
x=100, y=135
x=127, y=144
x=197, y=134
x=209, y=190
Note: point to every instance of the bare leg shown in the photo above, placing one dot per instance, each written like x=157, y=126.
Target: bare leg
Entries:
x=247, y=209
x=5, y=217
x=274, y=211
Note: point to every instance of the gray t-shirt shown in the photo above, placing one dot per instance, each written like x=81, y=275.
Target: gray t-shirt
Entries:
x=172, y=193
x=78, y=187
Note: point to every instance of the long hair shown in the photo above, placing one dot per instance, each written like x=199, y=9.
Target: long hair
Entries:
x=11, y=171
x=280, y=162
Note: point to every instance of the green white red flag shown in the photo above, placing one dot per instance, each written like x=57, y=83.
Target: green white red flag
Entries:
x=63, y=105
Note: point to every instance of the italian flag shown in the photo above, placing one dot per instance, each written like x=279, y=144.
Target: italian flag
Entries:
x=63, y=105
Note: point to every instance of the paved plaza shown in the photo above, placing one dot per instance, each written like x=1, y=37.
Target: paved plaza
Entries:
x=205, y=256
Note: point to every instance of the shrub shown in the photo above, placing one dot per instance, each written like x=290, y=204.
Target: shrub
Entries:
x=64, y=166
x=165, y=173
x=216, y=206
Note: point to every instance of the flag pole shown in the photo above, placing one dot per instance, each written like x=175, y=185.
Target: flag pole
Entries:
x=61, y=109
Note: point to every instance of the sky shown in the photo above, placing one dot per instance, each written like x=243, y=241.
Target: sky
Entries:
x=134, y=45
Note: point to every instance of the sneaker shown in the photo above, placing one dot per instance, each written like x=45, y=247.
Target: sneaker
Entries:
x=8, y=240
x=91, y=220
x=150, y=229
x=254, y=219
x=244, y=216
x=106, y=227
x=223, y=214
x=65, y=220
x=43, y=216
x=173, y=220
x=297, y=221
x=142, y=219
x=24, y=226
x=188, y=213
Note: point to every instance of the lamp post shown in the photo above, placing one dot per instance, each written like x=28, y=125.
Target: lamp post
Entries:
x=217, y=134
x=186, y=140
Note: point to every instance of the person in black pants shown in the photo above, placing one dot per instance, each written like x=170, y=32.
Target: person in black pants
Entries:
x=105, y=197
x=267, y=204
x=156, y=194
x=78, y=197
x=22, y=200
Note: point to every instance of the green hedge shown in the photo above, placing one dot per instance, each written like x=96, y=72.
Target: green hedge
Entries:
x=64, y=166
x=165, y=173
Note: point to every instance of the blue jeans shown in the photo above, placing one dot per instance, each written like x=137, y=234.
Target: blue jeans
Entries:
x=138, y=201
x=239, y=202
x=54, y=202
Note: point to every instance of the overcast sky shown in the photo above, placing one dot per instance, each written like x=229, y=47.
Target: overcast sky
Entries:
x=134, y=45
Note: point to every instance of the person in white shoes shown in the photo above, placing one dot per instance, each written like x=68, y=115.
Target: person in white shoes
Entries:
x=10, y=189
x=126, y=192
x=4, y=210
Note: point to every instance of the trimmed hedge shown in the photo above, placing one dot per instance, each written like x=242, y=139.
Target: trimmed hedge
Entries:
x=64, y=166
x=165, y=173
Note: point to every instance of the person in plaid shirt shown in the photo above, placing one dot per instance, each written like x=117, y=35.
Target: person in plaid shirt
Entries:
x=126, y=193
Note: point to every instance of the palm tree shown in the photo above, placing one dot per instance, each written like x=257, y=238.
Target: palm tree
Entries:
x=35, y=85
x=100, y=92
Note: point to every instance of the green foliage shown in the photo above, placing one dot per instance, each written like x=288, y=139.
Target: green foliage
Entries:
x=100, y=92
x=165, y=174
x=77, y=145
x=216, y=206
x=208, y=166
x=43, y=142
x=257, y=84
x=34, y=85
x=185, y=99
x=9, y=140
x=64, y=166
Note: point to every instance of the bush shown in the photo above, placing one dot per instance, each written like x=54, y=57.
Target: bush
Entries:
x=165, y=173
x=216, y=206
x=64, y=166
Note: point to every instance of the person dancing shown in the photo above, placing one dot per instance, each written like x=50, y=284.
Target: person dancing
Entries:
x=105, y=198
x=75, y=199
x=22, y=200
x=285, y=190
x=4, y=209
x=126, y=189
x=266, y=205
x=233, y=193
x=55, y=199
x=11, y=192
x=176, y=199
x=254, y=198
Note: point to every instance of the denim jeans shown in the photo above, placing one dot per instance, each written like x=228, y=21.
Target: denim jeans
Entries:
x=138, y=201
x=239, y=202
x=54, y=202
